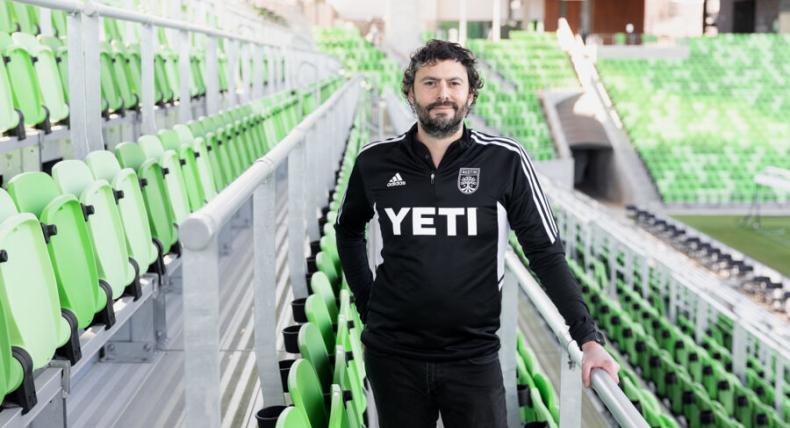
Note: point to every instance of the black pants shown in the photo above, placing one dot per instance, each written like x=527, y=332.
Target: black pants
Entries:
x=411, y=393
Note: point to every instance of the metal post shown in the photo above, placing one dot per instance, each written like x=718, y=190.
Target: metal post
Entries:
x=296, y=256
x=495, y=25
x=212, y=76
x=257, y=72
x=232, y=51
x=76, y=64
x=201, y=336
x=507, y=351
x=185, y=91
x=90, y=49
x=147, y=78
x=264, y=229
x=570, y=390
x=739, y=343
x=313, y=202
x=462, y=23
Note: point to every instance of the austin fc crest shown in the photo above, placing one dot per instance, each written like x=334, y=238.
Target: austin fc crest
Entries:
x=468, y=180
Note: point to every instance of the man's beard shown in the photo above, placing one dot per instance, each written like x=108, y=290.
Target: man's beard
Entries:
x=443, y=125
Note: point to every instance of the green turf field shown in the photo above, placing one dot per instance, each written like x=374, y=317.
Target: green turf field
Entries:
x=770, y=244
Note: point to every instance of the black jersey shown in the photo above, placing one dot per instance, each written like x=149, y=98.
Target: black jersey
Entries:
x=437, y=293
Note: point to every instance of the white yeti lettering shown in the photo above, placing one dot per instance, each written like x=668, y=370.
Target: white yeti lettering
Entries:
x=396, y=219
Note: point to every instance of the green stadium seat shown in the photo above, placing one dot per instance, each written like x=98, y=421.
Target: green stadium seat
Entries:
x=47, y=74
x=10, y=117
x=7, y=22
x=203, y=161
x=37, y=325
x=174, y=177
x=61, y=54
x=73, y=259
x=306, y=392
x=26, y=17
x=142, y=246
x=293, y=417
x=547, y=394
x=112, y=100
x=25, y=86
x=337, y=411
x=312, y=348
x=116, y=267
x=186, y=155
x=321, y=287
x=157, y=201
x=16, y=370
x=316, y=312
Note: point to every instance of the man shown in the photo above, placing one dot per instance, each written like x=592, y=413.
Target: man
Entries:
x=445, y=196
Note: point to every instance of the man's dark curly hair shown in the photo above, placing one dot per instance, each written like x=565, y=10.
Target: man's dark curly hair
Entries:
x=440, y=50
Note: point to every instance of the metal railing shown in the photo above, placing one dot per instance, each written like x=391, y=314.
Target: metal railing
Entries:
x=310, y=151
x=84, y=82
x=570, y=396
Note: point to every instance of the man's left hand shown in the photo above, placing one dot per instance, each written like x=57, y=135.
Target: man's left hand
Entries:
x=595, y=356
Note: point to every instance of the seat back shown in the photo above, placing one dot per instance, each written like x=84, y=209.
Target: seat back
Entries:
x=186, y=155
x=157, y=200
x=204, y=160
x=131, y=206
x=71, y=249
x=48, y=75
x=26, y=88
x=293, y=417
x=312, y=348
x=174, y=179
x=9, y=118
x=316, y=312
x=105, y=226
x=337, y=410
x=321, y=287
x=28, y=290
x=306, y=392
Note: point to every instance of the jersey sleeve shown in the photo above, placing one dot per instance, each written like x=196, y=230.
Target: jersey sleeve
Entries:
x=530, y=217
x=354, y=214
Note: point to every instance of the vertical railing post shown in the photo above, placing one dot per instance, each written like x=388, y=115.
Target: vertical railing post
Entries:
x=185, y=91
x=312, y=192
x=147, y=79
x=76, y=64
x=212, y=76
x=93, y=116
x=570, y=390
x=263, y=232
x=507, y=350
x=296, y=209
x=201, y=335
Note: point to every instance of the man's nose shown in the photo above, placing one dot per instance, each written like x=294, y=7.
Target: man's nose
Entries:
x=444, y=91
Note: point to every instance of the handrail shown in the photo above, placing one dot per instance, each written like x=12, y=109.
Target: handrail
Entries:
x=610, y=394
x=91, y=8
x=309, y=152
x=198, y=229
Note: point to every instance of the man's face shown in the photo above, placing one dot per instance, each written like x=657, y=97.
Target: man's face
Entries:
x=440, y=97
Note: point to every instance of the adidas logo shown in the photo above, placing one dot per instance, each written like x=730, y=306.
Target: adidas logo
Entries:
x=396, y=180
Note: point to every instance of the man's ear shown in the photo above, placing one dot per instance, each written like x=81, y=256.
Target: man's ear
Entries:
x=410, y=96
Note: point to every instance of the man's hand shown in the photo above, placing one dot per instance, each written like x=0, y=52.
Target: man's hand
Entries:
x=594, y=356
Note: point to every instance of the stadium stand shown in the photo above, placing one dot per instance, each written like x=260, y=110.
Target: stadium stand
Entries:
x=706, y=125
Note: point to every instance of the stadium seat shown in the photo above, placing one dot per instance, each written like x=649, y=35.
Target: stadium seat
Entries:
x=173, y=174
x=16, y=370
x=203, y=162
x=293, y=417
x=143, y=248
x=116, y=267
x=157, y=201
x=10, y=116
x=306, y=392
x=337, y=411
x=61, y=56
x=318, y=315
x=312, y=348
x=186, y=155
x=320, y=285
x=38, y=326
x=80, y=288
x=25, y=85
x=47, y=74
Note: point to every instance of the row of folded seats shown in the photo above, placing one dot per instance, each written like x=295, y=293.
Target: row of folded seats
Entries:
x=710, y=253
x=74, y=242
x=327, y=385
x=694, y=380
x=34, y=86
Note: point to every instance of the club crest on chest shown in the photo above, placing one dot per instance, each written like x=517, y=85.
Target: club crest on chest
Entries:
x=468, y=180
